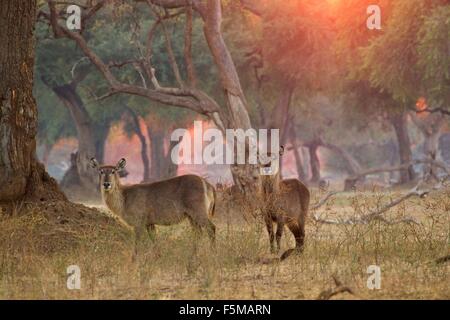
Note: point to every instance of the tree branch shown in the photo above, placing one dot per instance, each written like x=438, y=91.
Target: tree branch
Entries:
x=340, y=288
x=432, y=110
x=405, y=166
x=324, y=200
x=188, y=48
x=190, y=99
x=172, y=59
x=377, y=214
x=252, y=6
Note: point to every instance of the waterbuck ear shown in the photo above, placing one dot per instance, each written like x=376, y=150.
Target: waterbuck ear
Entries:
x=281, y=150
x=121, y=164
x=94, y=163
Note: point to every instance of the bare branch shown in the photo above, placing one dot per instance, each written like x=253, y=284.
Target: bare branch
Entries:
x=93, y=10
x=138, y=68
x=329, y=293
x=253, y=6
x=323, y=200
x=443, y=260
x=173, y=4
x=405, y=166
x=172, y=59
x=188, y=48
x=104, y=96
x=377, y=214
x=431, y=110
x=190, y=99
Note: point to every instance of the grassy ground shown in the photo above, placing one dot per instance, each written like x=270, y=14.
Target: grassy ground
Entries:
x=37, y=247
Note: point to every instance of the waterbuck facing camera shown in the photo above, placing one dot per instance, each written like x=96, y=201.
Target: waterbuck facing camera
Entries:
x=165, y=202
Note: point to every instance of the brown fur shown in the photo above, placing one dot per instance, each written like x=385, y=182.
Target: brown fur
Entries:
x=286, y=202
x=166, y=202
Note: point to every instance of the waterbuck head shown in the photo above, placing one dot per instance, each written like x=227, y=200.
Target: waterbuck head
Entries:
x=267, y=169
x=269, y=164
x=109, y=175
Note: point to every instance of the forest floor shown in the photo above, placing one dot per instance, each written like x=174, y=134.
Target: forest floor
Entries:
x=38, y=243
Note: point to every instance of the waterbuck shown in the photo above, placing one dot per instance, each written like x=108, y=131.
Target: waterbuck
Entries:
x=285, y=202
x=165, y=202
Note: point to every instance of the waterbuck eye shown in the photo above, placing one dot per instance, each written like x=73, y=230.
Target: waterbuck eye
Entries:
x=101, y=172
x=113, y=171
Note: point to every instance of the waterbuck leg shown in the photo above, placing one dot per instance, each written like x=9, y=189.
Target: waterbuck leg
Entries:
x=269, y=225
x=211, y=229
x=279, y=234
x=299, y=234
x=151, y=230
x=196, y=228
x=138, y=232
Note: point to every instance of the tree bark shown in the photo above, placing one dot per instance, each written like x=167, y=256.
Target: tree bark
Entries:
x=21, y=175
x=86, y=138
x=298, y=156
x=157, y=153
x=351, y=164
x=162, y=166
x=399, y=122
x=236, y=116
x=144, y=150
x=280, y=114
x=170, y=168
x=314, y=161
x=430, y=125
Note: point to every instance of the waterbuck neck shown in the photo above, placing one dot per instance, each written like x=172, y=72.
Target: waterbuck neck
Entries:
x=114, y=199
x=270, y=183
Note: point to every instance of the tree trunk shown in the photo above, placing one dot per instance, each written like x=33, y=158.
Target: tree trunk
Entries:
x=86, y=138
x=162, y=166
x=236, y=116
x=157, y=153
x=280, y=114
x=170, y=168
x=299, y=162
x=351, y=164
x=404, y=145
x=314, y=162
x=100, y=141
x=144, y=149
x=431, y=151
x=430, y=125
x=21, y=175
x=297, y=154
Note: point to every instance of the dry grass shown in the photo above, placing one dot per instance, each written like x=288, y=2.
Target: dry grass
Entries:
x=36, y=248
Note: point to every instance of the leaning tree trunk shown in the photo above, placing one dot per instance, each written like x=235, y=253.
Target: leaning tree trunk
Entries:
x=137, y=129
x=21, y=175
x=170, y=168
x=430, y=125
x=399, y=122
x=87, y=176
x=162, y=166
x=431, y=150
x=236, y=115
x=297, y=154
x=314, y=161
x=156, y=137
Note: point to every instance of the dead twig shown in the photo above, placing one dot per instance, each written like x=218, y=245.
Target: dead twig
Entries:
x=324, y=200
x=340, y=288
x=377, y=214
x=443, y=259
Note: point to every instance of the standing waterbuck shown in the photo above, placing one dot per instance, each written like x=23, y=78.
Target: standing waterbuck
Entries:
x=285, y=202
x=165, y=202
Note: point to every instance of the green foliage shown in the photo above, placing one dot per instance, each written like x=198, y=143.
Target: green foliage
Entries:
x=434, y=54
x=392, y=61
